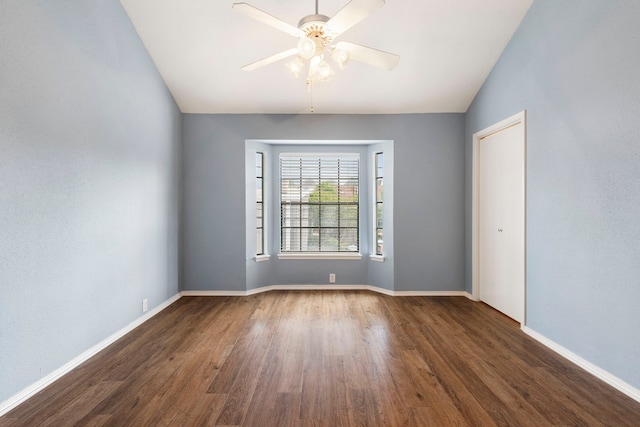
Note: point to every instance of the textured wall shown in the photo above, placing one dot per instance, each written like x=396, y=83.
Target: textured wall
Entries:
x=573, y=65
x=89, y=168
x=428, y=197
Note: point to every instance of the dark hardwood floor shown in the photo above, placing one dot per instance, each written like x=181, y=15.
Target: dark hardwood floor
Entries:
x=327, y=358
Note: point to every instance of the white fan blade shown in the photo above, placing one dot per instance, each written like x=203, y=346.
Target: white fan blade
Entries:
x=354, y=12
x=368, y=55
x=265, y=18
x=270, y=59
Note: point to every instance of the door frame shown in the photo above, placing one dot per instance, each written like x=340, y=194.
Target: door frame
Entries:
x=475, y=202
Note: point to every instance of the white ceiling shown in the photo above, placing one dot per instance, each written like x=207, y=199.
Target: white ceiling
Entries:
x=447, y=48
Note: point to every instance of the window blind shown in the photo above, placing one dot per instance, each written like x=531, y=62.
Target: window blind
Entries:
x=319, y=202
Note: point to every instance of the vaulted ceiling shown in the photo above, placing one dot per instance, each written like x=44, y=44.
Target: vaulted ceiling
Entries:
x=447, y=48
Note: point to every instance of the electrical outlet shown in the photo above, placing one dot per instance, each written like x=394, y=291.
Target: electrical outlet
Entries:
x=145, y=305
x=332, y=278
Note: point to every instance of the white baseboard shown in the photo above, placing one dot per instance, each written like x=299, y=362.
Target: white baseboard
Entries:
x=331, y=287
x=432, y=294
x=605, y=376
x=213, y=293
x=34, y=388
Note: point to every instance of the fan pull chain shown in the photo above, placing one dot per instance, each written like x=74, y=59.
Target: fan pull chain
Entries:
x=310, y=90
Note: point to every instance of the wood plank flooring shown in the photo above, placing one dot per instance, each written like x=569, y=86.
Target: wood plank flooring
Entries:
x=327, y=358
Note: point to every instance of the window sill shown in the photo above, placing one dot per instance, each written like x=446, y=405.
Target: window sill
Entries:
x=376, y=258
x=262, y=258
x=325, y=256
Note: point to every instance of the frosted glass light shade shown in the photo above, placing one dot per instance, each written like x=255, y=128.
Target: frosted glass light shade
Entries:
x=341, y=57
x=295, y=66
x=306, y=47
x=325, y=73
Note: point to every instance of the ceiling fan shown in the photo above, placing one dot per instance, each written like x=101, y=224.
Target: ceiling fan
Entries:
x=316, y=34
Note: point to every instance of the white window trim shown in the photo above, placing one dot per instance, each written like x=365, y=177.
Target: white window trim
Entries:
x=264, y=210
x=262, y=258
x=347, y=256
x=375, y=256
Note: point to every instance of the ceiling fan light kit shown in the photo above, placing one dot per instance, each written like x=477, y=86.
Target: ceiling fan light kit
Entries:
x=316, y=34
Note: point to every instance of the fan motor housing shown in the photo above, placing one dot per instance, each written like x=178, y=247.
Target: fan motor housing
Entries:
x=315, y=26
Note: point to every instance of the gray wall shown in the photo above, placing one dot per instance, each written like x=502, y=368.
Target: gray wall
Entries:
x=89, y=181
x=573, y=65
x=428, y=198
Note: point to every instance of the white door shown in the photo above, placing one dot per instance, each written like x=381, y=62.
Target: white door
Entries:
x=501, y=219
